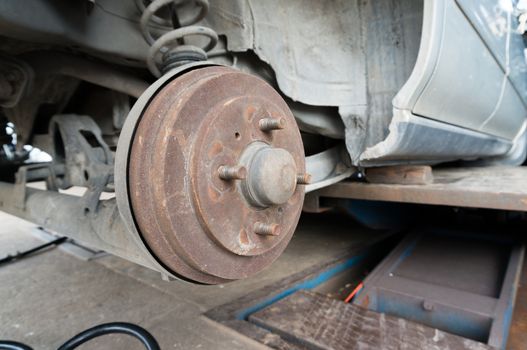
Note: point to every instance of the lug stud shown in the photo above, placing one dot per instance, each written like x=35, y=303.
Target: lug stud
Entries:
x=237, y=172
x=269, y=124
x=303, y=179
x=266, y=229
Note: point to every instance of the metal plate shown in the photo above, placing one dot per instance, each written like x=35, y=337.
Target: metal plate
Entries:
x=462, y=282
x=319, y=322
x=222, y=208
x=486, y=187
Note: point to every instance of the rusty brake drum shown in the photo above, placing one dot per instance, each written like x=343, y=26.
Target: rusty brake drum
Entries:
x=209, y=173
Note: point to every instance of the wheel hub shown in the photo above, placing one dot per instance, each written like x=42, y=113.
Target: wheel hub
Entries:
x=215, y=172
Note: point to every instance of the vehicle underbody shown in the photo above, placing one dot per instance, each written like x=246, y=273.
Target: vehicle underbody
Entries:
x=196, y=129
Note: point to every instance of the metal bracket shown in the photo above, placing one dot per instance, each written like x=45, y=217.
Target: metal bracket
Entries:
x=25, y=173
x=328, y=167
x=88, y=160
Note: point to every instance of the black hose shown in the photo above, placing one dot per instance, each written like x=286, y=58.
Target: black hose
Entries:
x=21, y=255
x=142, y=334
x=13, y=345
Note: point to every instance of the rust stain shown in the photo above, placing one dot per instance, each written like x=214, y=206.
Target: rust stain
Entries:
x=213, y=194
x=215, y=149
x=249, y=111
x=244, y=239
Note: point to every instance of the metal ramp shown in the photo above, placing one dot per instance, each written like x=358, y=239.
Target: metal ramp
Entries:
x=458, y=282
x=314, y=321
x=437, y=289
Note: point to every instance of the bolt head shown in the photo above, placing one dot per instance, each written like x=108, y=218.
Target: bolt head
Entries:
x=267, y=229
x=268, y=124
x=428, y=305
x=303, y=179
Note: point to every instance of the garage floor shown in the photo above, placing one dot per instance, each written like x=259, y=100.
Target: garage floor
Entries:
x=49, y=297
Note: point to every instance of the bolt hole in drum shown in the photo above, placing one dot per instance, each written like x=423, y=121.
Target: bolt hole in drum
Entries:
x=209, y=206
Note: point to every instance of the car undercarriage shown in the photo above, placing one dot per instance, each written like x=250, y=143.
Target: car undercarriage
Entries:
x=196, y=129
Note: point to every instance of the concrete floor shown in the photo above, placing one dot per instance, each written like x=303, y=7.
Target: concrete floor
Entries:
x=49, y=297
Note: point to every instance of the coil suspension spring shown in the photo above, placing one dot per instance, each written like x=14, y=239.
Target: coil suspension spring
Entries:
x=169, y=50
